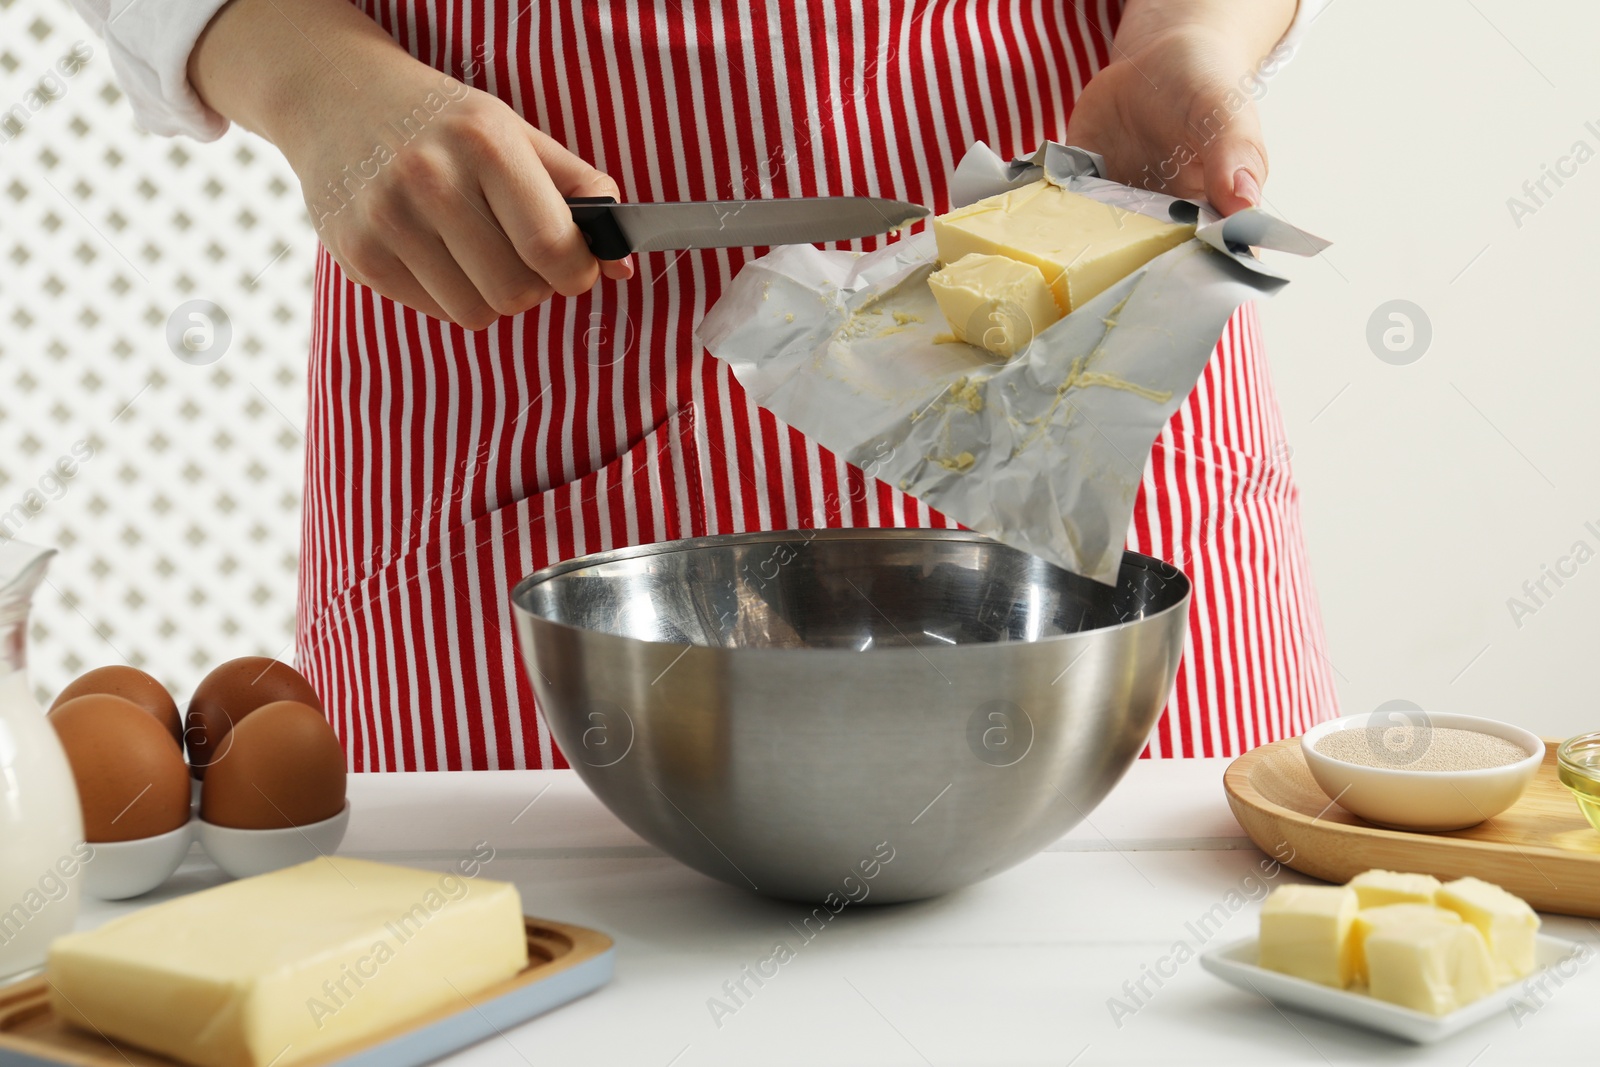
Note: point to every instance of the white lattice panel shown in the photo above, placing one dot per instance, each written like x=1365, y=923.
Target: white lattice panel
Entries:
x=179, y=531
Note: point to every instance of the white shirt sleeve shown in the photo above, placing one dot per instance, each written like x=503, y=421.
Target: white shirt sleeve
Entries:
x=1304, y=15
x=149, y=42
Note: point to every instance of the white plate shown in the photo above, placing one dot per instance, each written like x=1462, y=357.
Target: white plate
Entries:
x=1236, y=964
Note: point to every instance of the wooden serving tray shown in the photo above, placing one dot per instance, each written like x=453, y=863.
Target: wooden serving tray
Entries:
x=564, y=963
x=1541, y=848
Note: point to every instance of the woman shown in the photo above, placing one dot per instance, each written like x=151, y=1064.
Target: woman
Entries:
x=487, y=398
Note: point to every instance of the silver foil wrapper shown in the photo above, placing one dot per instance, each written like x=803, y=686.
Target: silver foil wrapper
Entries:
x=1043, y=452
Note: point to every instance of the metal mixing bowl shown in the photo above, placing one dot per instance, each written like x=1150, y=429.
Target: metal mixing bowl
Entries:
x=849, y=715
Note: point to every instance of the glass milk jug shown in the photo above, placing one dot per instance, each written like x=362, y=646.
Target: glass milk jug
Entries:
x=41, y=826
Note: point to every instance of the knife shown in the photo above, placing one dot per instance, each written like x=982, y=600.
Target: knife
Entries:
x=614, y=230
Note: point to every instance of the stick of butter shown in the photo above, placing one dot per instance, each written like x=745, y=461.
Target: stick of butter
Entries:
x=1083, y=247
x=1429, y=965
x=1506, y=921
x=1370, y=920
x=288, y=965
x=993, y=302
x=1305, y=931
x=1374, y=889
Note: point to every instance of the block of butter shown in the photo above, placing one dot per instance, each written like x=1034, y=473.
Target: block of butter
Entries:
x=1305, y=932
x=285, y=966
x=1506, y=921
x=1082, y=246
x=993, y=302
x=1370, y=920
x=1429, y=965
x=1374, y=889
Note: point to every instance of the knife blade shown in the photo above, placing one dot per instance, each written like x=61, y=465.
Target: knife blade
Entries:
x=614, y=230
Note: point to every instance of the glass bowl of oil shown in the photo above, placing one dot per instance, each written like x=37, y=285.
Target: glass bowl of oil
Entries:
x=1578, y=767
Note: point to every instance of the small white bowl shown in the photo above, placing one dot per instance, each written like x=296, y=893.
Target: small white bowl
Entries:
x=243, y=853
x=117, y=870
x=1423, y=800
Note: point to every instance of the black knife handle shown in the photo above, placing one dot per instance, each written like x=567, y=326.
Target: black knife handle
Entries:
x=593, y=216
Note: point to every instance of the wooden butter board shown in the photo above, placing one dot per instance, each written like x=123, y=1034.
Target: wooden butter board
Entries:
x=1541, y=848
x=564, y=963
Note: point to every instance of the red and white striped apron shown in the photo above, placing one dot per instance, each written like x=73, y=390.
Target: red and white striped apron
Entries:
x=445, y=465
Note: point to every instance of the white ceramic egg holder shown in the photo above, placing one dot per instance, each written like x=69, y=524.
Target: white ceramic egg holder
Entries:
x=118, y=870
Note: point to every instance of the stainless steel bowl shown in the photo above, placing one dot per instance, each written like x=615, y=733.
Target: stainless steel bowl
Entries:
x=850, y=715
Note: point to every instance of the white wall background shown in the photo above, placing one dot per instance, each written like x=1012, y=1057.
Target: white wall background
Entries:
x=178, y=535
x=1433, y=490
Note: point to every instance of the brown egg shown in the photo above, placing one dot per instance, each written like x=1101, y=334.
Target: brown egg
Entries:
x=131, y=779
x=280, y=766
x=130, y=684
x=231, y=692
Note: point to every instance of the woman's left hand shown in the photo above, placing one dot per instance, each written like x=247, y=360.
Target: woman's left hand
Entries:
x=1175, y=109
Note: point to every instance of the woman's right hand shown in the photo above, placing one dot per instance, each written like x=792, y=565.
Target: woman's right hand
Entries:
x=432, y=193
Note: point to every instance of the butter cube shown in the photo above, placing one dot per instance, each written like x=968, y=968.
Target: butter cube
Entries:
x=1082, y=246
x=288, y=966
x=1429, y=965
x=1305, y=931
x=1506, y=921
x=993, y=302
x=1370, y=920
x=1377, y=888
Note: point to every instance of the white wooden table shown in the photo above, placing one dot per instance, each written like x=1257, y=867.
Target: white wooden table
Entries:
x=1026, y=968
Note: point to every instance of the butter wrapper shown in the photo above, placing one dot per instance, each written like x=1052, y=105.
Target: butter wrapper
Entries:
x=1044, y=452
